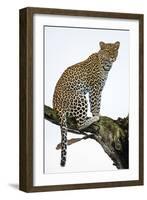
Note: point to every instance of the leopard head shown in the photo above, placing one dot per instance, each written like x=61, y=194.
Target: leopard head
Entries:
x=109, y=51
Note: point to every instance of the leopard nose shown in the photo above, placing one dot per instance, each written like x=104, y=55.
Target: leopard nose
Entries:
x=112, y=59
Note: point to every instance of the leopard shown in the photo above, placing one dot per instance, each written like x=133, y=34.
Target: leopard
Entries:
x=86, y=78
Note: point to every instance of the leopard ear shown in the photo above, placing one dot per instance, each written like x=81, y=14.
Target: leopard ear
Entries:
x=117, y=44
x=102, y=45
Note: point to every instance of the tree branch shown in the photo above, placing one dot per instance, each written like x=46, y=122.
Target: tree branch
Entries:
x=111, y=134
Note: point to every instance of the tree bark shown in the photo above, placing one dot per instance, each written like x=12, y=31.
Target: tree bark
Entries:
x=111, y=134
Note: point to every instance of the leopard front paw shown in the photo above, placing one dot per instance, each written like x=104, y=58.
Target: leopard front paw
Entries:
x=96, y=114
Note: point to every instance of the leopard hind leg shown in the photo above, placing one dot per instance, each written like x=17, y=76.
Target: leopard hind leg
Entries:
x=79, y=111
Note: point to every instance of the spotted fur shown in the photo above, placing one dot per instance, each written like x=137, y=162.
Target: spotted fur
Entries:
x=88, y=76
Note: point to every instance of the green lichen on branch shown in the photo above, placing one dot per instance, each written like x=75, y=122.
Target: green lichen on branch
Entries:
x=111, y=134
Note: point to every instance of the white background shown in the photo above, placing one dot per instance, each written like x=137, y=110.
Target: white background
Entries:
x=9, y=85
x=65, y=47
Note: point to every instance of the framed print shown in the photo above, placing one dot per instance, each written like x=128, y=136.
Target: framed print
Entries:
x=81, y=99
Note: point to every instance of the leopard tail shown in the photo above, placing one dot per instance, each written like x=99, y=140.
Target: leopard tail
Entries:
x=63, y=140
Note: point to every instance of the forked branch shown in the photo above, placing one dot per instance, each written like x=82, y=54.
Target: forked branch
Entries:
x=111, y=134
